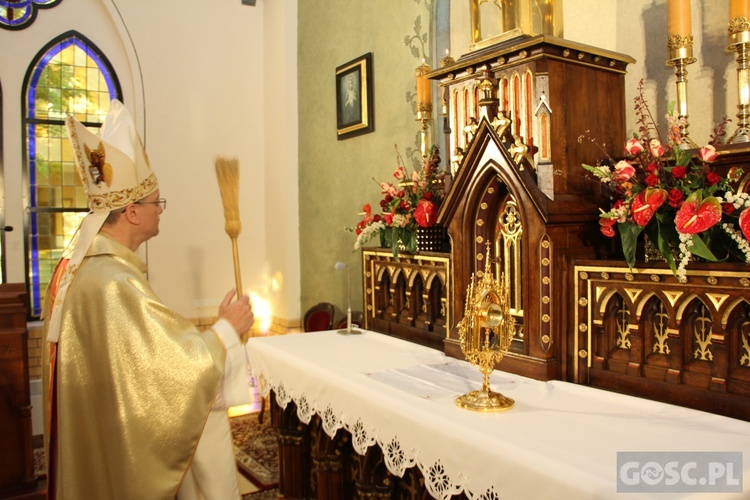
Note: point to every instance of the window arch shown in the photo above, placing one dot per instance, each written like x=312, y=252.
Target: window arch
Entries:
x=19, y=14
x=69, y=76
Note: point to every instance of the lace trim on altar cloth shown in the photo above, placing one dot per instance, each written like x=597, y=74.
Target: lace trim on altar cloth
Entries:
x=397, y=459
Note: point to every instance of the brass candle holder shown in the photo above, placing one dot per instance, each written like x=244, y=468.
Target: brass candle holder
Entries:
x=485, y=334
x=739, y=42
x=680, y=50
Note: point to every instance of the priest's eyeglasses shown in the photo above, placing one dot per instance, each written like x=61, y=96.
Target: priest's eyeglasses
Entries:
x=162, y=202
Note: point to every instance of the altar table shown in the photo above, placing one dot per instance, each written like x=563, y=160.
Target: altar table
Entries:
x=560, y=440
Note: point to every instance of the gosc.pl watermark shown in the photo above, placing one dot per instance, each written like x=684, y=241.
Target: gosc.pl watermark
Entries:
x=679, y=472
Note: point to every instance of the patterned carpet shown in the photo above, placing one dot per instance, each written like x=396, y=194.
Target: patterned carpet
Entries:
x=256, y=450
x=40, y=461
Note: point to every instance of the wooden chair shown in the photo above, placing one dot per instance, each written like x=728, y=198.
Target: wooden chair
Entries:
x=319, y=317
x=358, y=320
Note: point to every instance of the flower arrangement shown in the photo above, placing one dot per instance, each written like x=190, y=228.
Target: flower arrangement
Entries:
x=410, y=202
x=681, y=204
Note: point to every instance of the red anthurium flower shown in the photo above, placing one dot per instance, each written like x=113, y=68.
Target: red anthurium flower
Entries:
x=707, y=153
x=426, y=213
x=388, y=218
x=646, y=203
x=697, y=214
x=745, y=223
x=605, y=225
x=634, y=147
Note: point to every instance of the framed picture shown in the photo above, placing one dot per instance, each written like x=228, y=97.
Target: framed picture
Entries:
x=354, y=109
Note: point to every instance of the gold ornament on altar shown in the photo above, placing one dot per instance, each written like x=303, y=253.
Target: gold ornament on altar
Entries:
x=485, y=334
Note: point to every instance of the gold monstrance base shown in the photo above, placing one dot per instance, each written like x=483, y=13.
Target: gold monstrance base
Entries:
x=485, y=401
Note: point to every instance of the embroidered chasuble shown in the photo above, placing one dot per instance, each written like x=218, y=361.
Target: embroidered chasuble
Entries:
x=131, y=386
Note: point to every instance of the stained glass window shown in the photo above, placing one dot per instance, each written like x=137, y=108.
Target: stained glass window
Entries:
x=19, y=14
x=69, y=77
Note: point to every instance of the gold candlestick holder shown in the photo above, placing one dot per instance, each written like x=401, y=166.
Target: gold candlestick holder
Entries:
x=680, y=50
x=739, y=43
x=424, y=116
x=485, y=334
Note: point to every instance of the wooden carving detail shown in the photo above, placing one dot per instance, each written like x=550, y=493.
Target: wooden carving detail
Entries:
x=408, y=297
x=648, y=335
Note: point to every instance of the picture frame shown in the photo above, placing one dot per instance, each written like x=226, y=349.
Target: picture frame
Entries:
x=354, y=98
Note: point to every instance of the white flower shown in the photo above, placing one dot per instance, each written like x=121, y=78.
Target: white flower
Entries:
x=368, y=233
x=686, y=241
x=742, y=243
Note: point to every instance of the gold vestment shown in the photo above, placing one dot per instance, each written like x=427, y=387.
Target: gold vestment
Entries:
x=133, y=384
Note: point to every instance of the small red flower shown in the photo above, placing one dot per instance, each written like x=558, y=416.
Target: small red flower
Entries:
x=656, y=148
x=727, y=208
x=651, y=167
x=675, y=197
x=708, y=153
x=624, y=170
x=634, y=147
x=679, y=172
x=651, y=179
x=712, y=178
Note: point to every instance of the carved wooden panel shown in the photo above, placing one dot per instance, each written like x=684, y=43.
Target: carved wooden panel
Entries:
x=642, y=332
x=407, y=297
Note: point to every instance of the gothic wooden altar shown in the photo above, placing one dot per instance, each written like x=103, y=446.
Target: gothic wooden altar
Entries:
x=515, y=113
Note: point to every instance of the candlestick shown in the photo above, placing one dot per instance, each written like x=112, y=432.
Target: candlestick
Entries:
x=739, y=42
x=680, y=49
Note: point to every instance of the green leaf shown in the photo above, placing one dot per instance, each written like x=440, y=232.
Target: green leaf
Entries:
x=666, y=250
x=629, y=232
x=394, y=242
x=700, y=249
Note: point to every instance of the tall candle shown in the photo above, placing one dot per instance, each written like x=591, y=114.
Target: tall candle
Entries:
x=739, y=8
x=424, y=89
x=678, y=18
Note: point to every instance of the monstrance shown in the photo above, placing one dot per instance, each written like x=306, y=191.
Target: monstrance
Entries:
x=485, y=333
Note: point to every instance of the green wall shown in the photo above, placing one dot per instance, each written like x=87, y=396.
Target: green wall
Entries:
x=336, y=177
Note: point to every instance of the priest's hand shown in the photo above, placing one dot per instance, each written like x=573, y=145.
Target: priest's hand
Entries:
x=239, y=313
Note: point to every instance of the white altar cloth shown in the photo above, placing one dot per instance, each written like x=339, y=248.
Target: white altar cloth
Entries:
x=560, y=440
